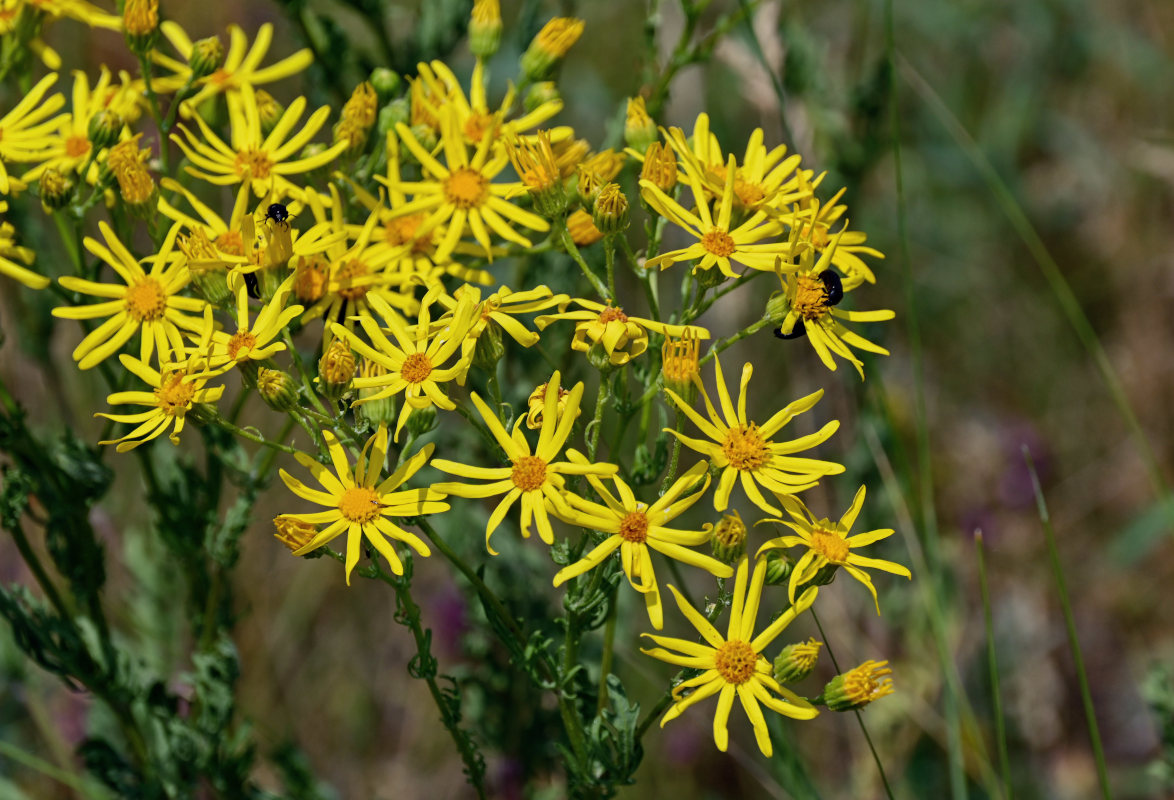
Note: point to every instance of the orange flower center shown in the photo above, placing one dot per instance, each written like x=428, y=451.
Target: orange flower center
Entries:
x=239, y=341
x=745, y=448
x=610, y=314
x=347, y=275
x=416, y=368
x=718, y=242
x=748, y=194
x=77, y=146
x=466, y=188
x=811, y=299
x=173, y=394
x=231, y=242
x=220, y=77
x=634, y=527
x=832, y=547
x=819, y=236
x=476, y=125
x=254, y=164
x=735, y=661
x=402, y=230
x=529, y=473
x=310, y=280
x=146, y=300
x=359, y=504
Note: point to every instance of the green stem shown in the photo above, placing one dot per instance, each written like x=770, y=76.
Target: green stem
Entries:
x=609, y=257
x=39, y=573
x=1070, y=624
x=609, y=639
x=573, y=252
x=722, y=344
x=252, y=437
x=596, y=423
x=675, y=456
x=993, y=665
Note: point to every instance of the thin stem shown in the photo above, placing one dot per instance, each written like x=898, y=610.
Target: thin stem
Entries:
x=609, y=257
x=38, y=570
x=993, y=665
x=244, y=433
x=1070, y=624
x=860, y=719
x=722, y=344
x=597, y=418
x=573, y=252
x=675, y=456
x=609, y=639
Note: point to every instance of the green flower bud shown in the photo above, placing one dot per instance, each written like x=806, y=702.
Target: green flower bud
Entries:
x=385, y=81
x=381, y=411
x=56, y=189
x=610, y=210
x=778, y=568
x=269, y=111
x=540, y=94
x=206, y=57
x=336, y=369
x=549, y=47
x=490, y=348
x=104, y=128
x=639, y=129
x=728, y=538
x=858, y=687
x=277, y=389
x=796, y=661
x=485, y=28
x=422, y=421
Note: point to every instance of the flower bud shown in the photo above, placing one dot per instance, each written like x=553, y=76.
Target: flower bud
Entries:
x=422, y=421
x=858, y=687
x=427, y=137
x=778, y=568
x=660, y=167
x=549, y=46
x=582, y=229
x=541, y=93
x=293, y=533
x=728, y=538
x=269, y=111
x=140, y=23
x=610, y=211
x=104, y=128
x=489, y=349
x=397, y=111
x=485, y=28
x=537, y=400
x=796, y=661
x=588, y=186
x=679, y=364
x=135, y=183
x=336, y=369
x=385, y=82
x=56, y=189
x=206, y=57
x=535, y=164
x=277, y=389
x=639, y=129
x=310, y=278
x=382, y=410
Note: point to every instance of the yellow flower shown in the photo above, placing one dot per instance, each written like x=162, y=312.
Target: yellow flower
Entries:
x=734, y=664
x=500, y=308
x=859, y=686
x=810, y=294
x=126, y=161
x=766, y=180
x=415, y=361
x=534, y=476
x=744, y=450
x=461, y=193
x=24, y=130
x=149, y=303
x=582, y=228
x=10, y=253
x=212, y=242
x=717, y=243
x=79, y=10
x=549, y=46
x=816, y=219
x=621, y=337
x=536, y=404
x=252, y=342
x=69, y=147
x=173, y=394
x=635, y=528
x=240, y=69
x=265, y=161
x=359, y=506
x=828, y=542
x=439, y=91
x=353, y=279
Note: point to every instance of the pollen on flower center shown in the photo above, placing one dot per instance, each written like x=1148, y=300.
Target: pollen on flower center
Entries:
x=832, y=547
x=745, y=448
x=347, y=275
x=611, y=314
x=359, y=504
x=811, y=300
x=748, y=194
x=402, y=230
x=239, y=341
x=735, y=661
x=146, y=300
x=634, y=527
x=230, y=242
x=529, y=473
x=77, y=146
x=476, y=125
x=718, y=242
x=416, y=368
x=466, y=188
x=173, y=394
x=253, y=164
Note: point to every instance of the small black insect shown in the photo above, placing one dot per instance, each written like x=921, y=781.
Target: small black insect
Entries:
x=277, y=212
x=833, y=287
x=795, y=333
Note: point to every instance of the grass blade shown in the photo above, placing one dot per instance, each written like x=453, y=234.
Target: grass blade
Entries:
x=993, y=663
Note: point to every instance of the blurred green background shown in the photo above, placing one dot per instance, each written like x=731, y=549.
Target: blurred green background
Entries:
x=1069, y=102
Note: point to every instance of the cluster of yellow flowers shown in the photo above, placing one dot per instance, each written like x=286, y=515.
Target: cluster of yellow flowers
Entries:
x=378, y=246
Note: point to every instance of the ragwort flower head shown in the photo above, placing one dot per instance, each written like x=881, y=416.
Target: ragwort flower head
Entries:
x=733, y=665
x=69, y=147
x=828, y=543
x=148, y=303
x=361, y=505
x=636, y=528
x=252, y=342
x=533, y=477
x=746, y=452
x=10, y=253
x=621, y=337
x=25, y=130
